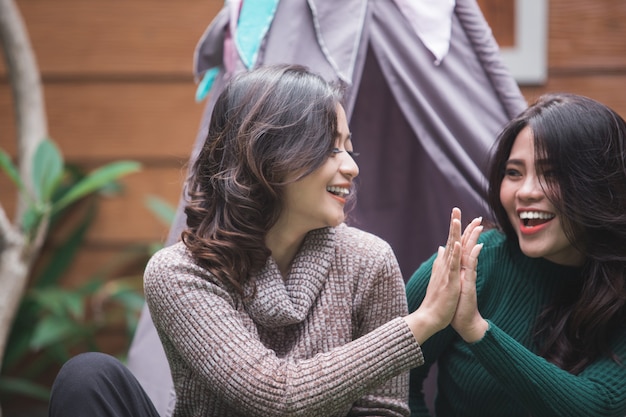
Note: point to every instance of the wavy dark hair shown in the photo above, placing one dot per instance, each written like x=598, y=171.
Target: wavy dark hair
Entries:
x=270, y=126
x=583, y=143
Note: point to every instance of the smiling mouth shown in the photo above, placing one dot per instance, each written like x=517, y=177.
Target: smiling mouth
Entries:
x=339, y=191
x=535, y=218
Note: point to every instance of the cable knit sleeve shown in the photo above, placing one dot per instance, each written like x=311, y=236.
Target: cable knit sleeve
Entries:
x=378, y=301
x=209, y=346
x=432, y=348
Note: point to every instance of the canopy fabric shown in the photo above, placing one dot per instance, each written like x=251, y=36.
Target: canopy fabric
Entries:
x=423, y=121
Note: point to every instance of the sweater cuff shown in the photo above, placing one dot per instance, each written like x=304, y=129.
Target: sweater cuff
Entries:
x=408, y=346
x=487, y=332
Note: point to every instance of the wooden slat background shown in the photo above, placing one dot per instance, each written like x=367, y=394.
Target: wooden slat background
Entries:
x=118, y=39
x=118, y=85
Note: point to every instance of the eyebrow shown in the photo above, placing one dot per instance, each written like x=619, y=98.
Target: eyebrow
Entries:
x=540, y=164
x=543, y=161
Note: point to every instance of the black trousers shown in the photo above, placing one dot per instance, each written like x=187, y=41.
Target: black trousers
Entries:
x=98, y=385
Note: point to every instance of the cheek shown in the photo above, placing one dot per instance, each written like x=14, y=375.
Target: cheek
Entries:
x=553, y=192
x=507, y=194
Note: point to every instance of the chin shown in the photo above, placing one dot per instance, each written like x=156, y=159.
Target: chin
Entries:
x=532, y=253
x=337, y=222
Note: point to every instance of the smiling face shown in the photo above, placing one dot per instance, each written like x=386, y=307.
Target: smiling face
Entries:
x=318, y=199
x=534, y=218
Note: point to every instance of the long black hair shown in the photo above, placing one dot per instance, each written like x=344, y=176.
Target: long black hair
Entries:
x=584, y=144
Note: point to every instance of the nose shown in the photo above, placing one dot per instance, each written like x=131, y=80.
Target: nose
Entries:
x=531, y=188
x=348, y=167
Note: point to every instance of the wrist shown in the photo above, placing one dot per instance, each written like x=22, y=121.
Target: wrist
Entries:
x=476, y=331
x=422, y=325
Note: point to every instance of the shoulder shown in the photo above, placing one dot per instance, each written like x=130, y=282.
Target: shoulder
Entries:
x=502, y=265
x=364, y=254
x=496, y=247
x=504, y=255
x=173, y=263
x=172, y=272
x=170, y=256
x=361, y=242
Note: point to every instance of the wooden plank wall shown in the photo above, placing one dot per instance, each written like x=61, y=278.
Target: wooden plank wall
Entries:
x=587, y=51
x=118, y=85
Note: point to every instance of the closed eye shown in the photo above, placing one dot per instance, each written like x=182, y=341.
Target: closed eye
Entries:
x=351, y=153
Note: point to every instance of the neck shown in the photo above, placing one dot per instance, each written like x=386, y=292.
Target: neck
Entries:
x=284, y=245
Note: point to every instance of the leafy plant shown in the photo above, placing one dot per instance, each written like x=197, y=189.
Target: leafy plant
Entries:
x=50, y=195
x=51, y=320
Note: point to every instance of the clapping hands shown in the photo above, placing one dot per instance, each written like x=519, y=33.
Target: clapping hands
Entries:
x=451, y=294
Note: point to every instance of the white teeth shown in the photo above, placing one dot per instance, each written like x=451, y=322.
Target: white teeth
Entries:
x=524, y=215
x=338, y=190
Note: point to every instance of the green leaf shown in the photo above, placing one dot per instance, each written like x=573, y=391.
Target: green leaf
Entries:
x=24, y=387
x=60, y=302
x=91, y=287
x=162, y=209
x=18, y=346
x=96, y=180
x=31, y=218
x=52, y=329
x=47, y=170
x=130, y=299
x=10, y=169
x=63, y=256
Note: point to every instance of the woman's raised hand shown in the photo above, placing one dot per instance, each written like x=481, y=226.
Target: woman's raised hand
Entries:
x=467, y=320
x=442, y=295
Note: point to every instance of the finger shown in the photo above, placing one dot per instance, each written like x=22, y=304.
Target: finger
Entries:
x=455, y=258
x=473, y=258
x=440, y=257
x=470, y=238
x=471, y=265
x=469, y=229
x=455, y=224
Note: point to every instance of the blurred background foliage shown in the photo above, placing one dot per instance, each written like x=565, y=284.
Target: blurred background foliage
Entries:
x=55, y=322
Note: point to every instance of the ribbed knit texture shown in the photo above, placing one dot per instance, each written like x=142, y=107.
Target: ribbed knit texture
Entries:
x=501, y=375
x=327, y=341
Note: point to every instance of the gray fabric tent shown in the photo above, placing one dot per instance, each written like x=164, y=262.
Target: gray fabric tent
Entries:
x=423, y=124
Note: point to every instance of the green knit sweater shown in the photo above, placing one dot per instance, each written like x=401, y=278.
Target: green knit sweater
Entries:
x=501, y=374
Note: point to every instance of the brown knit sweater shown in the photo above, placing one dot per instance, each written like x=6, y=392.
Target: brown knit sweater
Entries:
x=327, y=341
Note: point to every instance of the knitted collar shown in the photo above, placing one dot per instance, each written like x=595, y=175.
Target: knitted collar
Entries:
x=281, y=302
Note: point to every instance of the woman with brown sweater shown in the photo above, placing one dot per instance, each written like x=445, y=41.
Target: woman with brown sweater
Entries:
x=270, y=305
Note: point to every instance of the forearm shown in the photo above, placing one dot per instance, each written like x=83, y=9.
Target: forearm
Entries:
x=383, y=300
x=257, y=383
x=544, y=388
x=389, y=399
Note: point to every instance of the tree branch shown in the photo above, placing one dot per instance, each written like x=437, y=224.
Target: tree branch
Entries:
x=25, y=80
x=6, y=230
x=17, y=252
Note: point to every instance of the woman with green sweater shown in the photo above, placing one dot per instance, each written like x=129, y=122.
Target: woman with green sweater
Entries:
x=542, y=330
